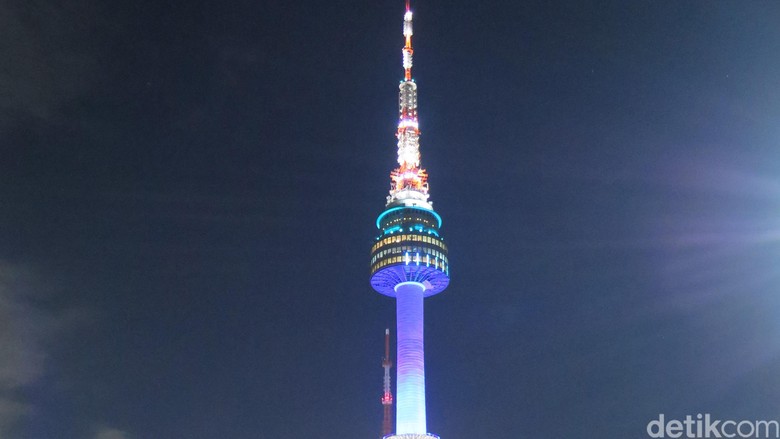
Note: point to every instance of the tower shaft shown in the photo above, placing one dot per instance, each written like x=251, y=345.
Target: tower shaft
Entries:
x=410, y=359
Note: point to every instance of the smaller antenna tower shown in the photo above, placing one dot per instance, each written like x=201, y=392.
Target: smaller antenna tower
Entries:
x=387, y=395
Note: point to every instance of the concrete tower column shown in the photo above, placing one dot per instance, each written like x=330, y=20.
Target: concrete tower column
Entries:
x=410, y=390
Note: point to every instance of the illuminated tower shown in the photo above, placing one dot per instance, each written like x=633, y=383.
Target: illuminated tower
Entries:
x=409, y=259
x=387, y=394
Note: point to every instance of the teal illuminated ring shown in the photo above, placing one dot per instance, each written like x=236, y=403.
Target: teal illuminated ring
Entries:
x=388, y=211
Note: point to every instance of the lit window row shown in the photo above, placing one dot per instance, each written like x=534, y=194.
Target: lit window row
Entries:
x=413, y=259
x=429, y=253
x=414, y=238
x=394, y=260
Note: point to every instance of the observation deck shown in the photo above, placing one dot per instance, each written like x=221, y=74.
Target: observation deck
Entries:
x=409, y=249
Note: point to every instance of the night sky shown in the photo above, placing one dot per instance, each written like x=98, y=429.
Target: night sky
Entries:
x=188, y=195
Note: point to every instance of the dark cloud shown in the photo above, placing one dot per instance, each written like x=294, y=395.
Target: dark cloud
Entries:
x=48, y=59
x=28, y=330
x=22, y=354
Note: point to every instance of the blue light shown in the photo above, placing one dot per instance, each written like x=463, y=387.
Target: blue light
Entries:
x=410, y=388
x=394, y=209
x=393, y=229
x=433, y=232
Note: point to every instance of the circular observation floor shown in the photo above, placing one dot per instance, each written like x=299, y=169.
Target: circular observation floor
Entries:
x=385, y=279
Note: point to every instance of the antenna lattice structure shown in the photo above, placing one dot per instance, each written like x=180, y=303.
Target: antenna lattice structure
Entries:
x=387, y=394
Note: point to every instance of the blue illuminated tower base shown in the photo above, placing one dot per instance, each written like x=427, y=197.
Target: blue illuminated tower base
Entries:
x=410, y=389
x=412, y=436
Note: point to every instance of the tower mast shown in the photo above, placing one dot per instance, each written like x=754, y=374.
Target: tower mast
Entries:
x=387, y=395
x=409, y=181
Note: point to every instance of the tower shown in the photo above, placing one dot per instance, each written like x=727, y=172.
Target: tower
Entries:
x=409, y=259
x=387, y=394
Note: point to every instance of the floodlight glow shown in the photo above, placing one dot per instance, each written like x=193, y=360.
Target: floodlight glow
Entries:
x=407, y=123
x=410, y=390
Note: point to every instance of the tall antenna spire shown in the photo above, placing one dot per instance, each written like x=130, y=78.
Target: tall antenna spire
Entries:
x=387, y=395
x=407, y=50
x=409, y=181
